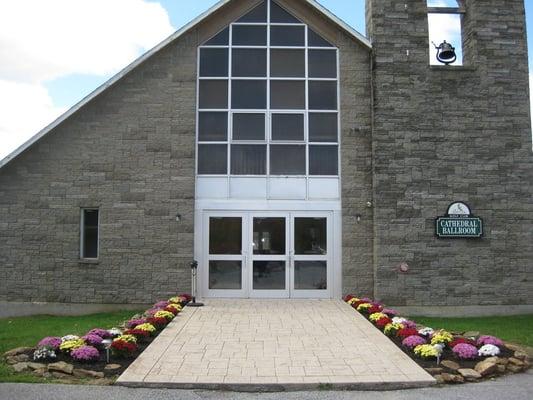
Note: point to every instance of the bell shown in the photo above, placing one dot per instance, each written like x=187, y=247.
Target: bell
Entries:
x=446, y=53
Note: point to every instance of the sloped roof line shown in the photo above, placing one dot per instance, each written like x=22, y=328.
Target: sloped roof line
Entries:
x=114, y=79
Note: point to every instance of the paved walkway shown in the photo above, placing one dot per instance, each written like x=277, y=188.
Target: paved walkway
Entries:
x=273, y=345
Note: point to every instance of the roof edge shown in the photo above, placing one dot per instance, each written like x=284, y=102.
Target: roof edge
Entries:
x=114, y=79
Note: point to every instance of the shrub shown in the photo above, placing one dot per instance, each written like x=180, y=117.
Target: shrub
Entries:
x=92, y=340
x=85, y=354
x=172, y=310
x=406, y=332
x=132, y=323
x=159, y=323
x=51, y=342
x=146, y=327
x=486, y=339
x=68, y=345
x=392, y=329
x=489, y=350
x=44, y=353
x=364, y=307
x=426, y=351
x=375, y=316
x=460, y=340
x=412, y=341
x=164, y=314
x=383, y=322
x=441, y=337
x=176, y=307
x=376, y=308
x=103, y=333
x=121, y=348
x=138, y=333
x=127, y=338
x=465, y=351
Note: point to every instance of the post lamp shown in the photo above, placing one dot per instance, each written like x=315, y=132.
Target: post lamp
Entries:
x=194, y=284
x=445, y=53
x=107, y=344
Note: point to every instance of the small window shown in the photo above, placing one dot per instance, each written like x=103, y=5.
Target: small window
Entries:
x=315, y=40
x=214, y=62
x=323, y=160
x=89, y=233
x=248, y=159
x=323, y=127
x=287, y=63
x=322, y=64
x=248, y=94
x=287, y=127
x=249, y=63
x=249, y=126
x=287, y=160
x=212, y=159
x=213, y=94
x=287, y=35
x=213, y=126
x=445, y=20
x=322, y=95
x=249, y=35
x=279, y=15
x=220, y=39
x=258, y=14
x=287, y=95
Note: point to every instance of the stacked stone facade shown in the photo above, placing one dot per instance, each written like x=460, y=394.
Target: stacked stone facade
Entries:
x=452, y=133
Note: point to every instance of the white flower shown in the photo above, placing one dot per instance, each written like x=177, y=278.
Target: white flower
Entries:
x=398, y=320
x=69, y=337
x=489, y=350
x=426, y=331
x=43, y=353
x=114, y=332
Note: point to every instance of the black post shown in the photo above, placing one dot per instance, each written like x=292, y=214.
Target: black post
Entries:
x=194, y=274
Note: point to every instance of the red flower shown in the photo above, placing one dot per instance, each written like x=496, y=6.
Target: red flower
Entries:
x=382, y=322
x=172, y=310
x=406, y=332
x=138, y=333
x=348, y=297
x=158, y=322
x=460, y=340
x=122, y=348
x=186, y=296
x=374, y=309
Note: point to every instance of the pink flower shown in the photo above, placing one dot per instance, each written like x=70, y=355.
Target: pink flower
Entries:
x=412, y=341
x=92, y=339
x=99, y=332
x=51, y=342
x=483, y=340
x=465, y=351
x=132, y=323
x=85, y=353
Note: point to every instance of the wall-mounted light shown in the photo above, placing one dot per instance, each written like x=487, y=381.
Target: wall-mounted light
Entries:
x=445, y=53
x=178, y=217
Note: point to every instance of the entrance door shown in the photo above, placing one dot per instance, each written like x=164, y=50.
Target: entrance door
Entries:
x=268, y=254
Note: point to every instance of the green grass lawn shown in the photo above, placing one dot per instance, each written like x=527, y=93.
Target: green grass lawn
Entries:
x=27, y=331
x=515, y=329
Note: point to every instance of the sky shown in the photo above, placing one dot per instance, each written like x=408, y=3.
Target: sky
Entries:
x=55, y=55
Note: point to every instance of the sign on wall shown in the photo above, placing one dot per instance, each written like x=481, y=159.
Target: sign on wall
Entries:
x=459, y=223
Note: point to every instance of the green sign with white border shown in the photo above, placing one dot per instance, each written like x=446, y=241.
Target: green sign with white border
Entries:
x=459, y=223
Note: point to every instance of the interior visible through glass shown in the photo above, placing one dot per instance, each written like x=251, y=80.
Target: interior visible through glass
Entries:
x=269, y=275
x=225, y=235
x=269, y=236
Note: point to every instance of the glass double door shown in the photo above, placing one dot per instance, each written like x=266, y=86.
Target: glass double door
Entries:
x=270, y=255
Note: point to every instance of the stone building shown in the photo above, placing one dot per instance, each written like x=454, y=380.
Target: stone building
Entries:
x=292, y=157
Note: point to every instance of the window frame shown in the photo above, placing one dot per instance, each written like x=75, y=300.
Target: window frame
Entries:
x=82, y=234
x=268, y=111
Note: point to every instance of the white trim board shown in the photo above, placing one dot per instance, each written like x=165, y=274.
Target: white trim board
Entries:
x=328, y=14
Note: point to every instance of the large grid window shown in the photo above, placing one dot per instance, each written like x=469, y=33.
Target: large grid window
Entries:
x=268, y=99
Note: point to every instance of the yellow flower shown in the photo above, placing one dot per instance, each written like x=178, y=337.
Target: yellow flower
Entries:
x=363, y=306
x=176, y=307
x=164, y=314
x=127, y=338
x=392, y=328
x=69, y=345
x=176, y=300
x=376, y=316
x=353, y=300
x=441, y=337
x=146, y=327
x=426, y=351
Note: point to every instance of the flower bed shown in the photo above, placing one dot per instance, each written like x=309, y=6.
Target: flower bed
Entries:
x=72, y=356
x=451, y=357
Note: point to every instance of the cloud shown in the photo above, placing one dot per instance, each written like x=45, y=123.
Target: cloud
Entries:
x=26, y=109
x=46, y=40
x=444, y=27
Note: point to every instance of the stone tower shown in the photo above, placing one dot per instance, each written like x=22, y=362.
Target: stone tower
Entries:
x=442, y=134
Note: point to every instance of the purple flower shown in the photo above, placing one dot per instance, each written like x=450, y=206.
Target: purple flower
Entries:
x=132, y=323
x=483, y=340
x=412, y=341
x=161, y=304
x=465, y=351
x=85, y=353
x=99, y=332
x=151, y=312
x=409, y=324
x=51, y=342
x=92, y=339
x=390, y=312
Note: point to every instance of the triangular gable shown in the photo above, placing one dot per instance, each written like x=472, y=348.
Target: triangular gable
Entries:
x=280, y=13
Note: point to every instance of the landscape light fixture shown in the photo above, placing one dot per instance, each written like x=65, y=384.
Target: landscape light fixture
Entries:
x=445, y=53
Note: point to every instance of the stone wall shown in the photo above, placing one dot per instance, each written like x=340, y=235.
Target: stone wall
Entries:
x=452, y=133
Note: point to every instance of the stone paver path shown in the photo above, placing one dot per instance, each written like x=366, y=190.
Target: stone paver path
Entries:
x=273, y=345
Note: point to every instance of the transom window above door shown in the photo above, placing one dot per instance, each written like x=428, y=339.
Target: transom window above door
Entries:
x=268, y=99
